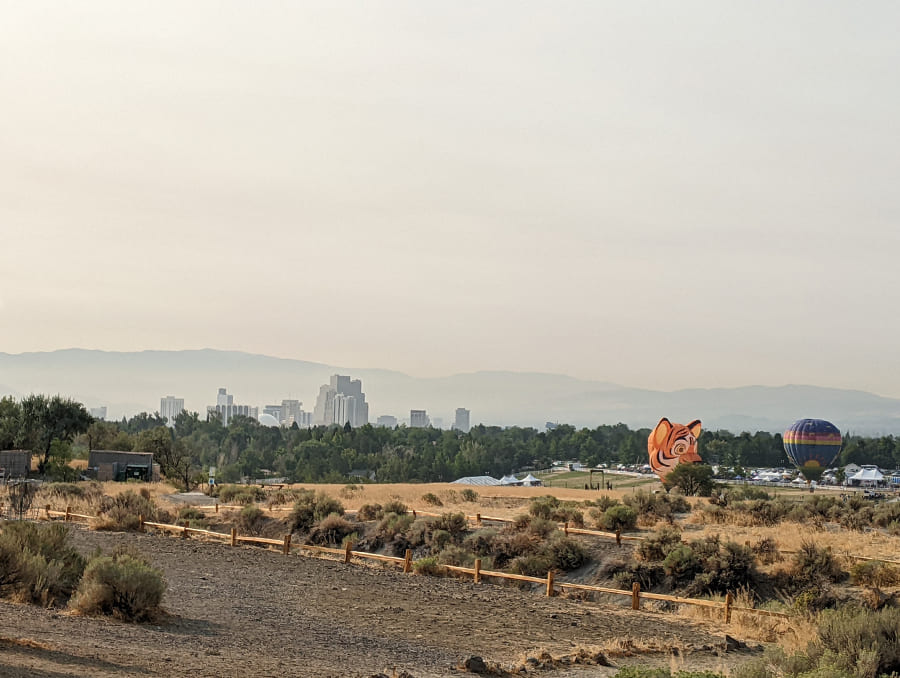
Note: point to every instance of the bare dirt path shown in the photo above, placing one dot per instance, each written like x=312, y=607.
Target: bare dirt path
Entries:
x=253, y=612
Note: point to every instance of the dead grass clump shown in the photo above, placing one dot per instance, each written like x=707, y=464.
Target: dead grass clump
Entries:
x=429, y=566
x=124, y=586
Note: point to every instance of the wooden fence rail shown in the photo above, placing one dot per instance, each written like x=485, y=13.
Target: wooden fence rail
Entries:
x=552, y=586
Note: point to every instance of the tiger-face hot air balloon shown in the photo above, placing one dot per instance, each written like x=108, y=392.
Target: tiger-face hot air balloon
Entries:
x=672, y=444
x=811, y=445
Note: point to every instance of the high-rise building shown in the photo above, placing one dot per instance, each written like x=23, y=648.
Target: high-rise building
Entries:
x=461, y=422
x=225, y=409
x=418, y=419
x=341, y=401
x=99, y=412
x=387, y=421
x=169, y=408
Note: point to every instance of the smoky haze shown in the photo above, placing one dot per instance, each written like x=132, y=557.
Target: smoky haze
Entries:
x=663, y=195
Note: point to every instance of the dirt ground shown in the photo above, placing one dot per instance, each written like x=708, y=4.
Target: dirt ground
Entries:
x=253, y=612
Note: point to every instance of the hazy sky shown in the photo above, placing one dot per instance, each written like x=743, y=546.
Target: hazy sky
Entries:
x=660, y=194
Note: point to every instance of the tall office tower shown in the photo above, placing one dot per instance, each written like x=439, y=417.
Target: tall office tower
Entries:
x=387, y=421
x=169, y=408
x=341, y=401
x=225, y=409
x=418, y=419
x=461, y=423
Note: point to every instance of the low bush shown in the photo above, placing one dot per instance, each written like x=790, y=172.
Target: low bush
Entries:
x=874, y=573
x=455, y=524
x=331, y=530
x=310, y=508
x=469, y=495
x=396, y=506
x=124, y=586
x=534, y=565
x=813, y=566
x=653, y=507
x=658, y=545
x=604, y=503
x=481, y=543
x=456, y=556
x=250, y=520
x=190, y=516
x=392, y=524
x=564, y=553
x=766, y=550
x=123, y=512
x=432, y=499
x=429, y=566
x=37, y=565
x=368, y=512
x=551, y=508
x=241, y=494
x=619, y=517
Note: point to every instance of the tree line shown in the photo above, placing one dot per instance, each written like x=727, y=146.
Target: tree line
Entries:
x=59, y=429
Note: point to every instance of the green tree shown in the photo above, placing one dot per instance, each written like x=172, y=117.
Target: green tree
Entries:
x=173, y=456
x=45, y=420
x=692, y=479
x=10, y=422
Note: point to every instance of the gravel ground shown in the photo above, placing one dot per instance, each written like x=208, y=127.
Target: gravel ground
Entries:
x=253, y=612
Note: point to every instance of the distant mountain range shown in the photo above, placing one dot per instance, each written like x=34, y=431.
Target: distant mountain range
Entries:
x=128, y=383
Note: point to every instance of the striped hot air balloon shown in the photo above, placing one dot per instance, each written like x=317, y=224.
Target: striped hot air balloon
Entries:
x=812, y=444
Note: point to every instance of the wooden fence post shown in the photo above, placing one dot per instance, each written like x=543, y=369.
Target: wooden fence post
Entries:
x=233, y=536
x=566, y=528
x=68, y=511
x=141, y=518
x=217, y=507
x=618, y=537
x=347, y=553
x=635, y=596
x=286, y=549
x=414, y=513
x=184, y=532
x=478, y=519
x=728, y=601
x=478, y=570
x=407, y=561
x=549, y=583
x=47, y=508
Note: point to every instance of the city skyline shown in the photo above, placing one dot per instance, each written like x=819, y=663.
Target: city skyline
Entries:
x=671, y=196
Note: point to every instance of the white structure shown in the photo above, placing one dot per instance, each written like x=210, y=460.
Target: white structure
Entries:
x=341, y=401
x=99, y=412
x=169, y=408
x=418, y=419
x=268, y=420
x=867, y=476
x=387, y=421
x=461, y=422
x=225, y=409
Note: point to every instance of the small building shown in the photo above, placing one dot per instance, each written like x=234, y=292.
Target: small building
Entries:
x=14, y=464
x=119, y=465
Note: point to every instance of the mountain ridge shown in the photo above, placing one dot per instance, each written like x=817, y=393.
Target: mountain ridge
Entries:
x=128, y=382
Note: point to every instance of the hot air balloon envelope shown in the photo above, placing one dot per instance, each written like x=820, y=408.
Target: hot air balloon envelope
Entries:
x=812, y=445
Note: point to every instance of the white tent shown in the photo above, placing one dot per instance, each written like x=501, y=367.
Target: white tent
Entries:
x=477, y=480
x=867, y=476
x=531, y=481
x=510, y=480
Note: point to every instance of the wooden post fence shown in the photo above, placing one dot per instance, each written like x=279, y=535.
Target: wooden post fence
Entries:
x=618, y=537
x=407, y=561
x=47, y=509
x=566, y=528
x=233, y=536
x=141, y=519
x=478, y=570
x=549, y=583
x=68, y=511
x=478, y=519
x=347, y=553
x=728, y=601
x=635, y=596
x=286, y=549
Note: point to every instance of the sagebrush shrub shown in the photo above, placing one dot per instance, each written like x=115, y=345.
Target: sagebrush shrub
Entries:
x=37, y=565
x=331, y=530
x=469, y=495
x=396, y=506
x=875, y=573
x=369, y=512
x=310, y=508
x=241, y=494
x=124, y=511
x=432, y=499
x=250, y=520
x=618, y=518
x=124, y=586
